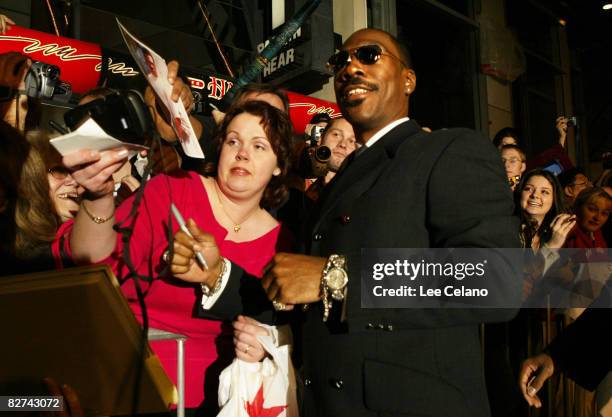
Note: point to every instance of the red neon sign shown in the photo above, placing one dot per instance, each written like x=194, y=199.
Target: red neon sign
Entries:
x=81, y=65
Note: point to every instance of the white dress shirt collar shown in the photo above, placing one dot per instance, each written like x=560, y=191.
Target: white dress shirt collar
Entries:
x=382, y=132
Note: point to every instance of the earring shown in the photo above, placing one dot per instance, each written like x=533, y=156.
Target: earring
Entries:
x=276, y=172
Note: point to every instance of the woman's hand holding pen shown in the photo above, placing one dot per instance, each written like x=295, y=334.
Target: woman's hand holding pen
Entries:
x=184, y=264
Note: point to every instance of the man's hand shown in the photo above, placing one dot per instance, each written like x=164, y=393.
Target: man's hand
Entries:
x=561, y=125
x=13, y=69
x=534, y=372
x=179, y=88
x=165, y=158
x=181, y=91
x=294, y=279
x=183, y=262
x=5, y=24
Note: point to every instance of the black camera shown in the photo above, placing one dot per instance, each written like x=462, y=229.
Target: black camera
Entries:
x=313, y=161
x=42, y=80
x=314, y=158
x=316, y=133
x=122, y=115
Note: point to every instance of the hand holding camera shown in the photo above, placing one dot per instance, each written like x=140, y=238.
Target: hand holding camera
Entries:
x=562, y=124
x=314, y=158
x=13, y=70
x=42, y=80
x=19, y=74
x=313, y=161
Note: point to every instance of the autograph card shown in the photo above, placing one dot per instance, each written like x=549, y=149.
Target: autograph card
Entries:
x=155, y=71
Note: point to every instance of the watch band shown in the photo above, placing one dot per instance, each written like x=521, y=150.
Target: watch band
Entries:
x=327, y=294
x=211, y=291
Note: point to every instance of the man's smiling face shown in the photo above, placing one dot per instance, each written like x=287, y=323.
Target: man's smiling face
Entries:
x=373, y=95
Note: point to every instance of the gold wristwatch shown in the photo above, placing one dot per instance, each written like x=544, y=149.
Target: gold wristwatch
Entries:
x=333, y=282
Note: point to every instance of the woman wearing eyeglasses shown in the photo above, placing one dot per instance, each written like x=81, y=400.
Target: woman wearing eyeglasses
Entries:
x=45, y=197
x=44, y=170
x=513, y=158
x=64, y=191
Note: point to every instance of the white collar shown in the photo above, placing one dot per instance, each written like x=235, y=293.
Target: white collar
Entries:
x=382, y=132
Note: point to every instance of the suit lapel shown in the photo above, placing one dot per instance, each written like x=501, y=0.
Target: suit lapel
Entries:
x=358, y=173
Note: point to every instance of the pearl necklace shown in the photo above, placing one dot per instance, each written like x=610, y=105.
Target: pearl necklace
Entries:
x=237, y=225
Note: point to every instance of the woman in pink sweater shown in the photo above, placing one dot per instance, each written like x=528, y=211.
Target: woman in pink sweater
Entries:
x=228, y=201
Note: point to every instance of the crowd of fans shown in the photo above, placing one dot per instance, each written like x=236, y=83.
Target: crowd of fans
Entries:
x=559, y=208
x=51, y=208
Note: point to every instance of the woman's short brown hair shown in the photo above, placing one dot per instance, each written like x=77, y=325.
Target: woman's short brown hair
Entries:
x=589, y=195
x=278, y=128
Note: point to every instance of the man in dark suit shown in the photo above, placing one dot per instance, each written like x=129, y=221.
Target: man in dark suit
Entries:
x=581, y=351
x=405, y=188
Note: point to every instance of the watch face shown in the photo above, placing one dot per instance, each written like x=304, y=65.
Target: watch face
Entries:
x=336, y=278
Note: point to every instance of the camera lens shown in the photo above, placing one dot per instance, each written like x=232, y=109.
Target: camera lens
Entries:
x=53, y=72
x=322, y=154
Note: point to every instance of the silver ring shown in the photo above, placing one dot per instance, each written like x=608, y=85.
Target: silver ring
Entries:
x=278, y=306
x=166, y=256
x=246, y=349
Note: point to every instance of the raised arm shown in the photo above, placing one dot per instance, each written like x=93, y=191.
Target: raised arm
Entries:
x=93, y=237
x=180, y=90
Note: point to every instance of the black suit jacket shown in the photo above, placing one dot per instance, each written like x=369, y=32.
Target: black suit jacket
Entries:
x=409, y=190
x=583, y=349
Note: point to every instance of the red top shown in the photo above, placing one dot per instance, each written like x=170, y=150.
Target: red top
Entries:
x=595, y=245
x=170, y=302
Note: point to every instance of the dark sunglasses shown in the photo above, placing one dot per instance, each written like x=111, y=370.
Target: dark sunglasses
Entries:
x=367, y=54
x=59, y=172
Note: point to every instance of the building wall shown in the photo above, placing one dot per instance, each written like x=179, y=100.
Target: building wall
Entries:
x=17, y=10
x=349, y=16
x=565, y=100
x=499, y=94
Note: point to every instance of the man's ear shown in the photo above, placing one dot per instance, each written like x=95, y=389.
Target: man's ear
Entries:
x=568, y=191
x=409, y=81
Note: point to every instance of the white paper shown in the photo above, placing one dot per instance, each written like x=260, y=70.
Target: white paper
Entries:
x=90, y=136
x=155, y=70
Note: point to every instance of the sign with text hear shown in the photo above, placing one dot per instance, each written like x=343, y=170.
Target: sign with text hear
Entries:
x=300, y=65
x=284, y=58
